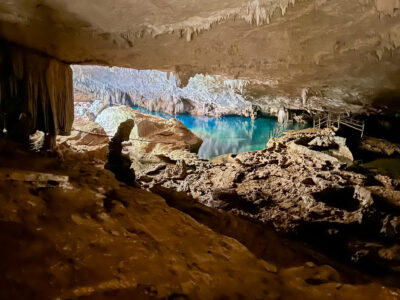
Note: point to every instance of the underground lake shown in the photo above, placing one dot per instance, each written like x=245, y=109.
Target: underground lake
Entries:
x=230, y=134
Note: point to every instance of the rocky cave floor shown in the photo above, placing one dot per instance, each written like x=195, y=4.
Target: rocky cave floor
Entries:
x=281, y=223
x=300, y=185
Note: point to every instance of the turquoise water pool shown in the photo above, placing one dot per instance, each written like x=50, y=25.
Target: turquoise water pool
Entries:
x=230, y=134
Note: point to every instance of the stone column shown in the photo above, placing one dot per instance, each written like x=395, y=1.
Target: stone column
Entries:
x=36, y=93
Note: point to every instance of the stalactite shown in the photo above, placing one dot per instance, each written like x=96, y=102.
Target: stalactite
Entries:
x=255, y=12
x=387, y=7
x=36, y=92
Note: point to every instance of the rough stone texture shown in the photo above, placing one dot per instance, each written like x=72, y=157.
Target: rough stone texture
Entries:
x=334, y=145
x=119, y=162
x=80, y=234
x=339, y=54
x=88, y=140
x=300, y=189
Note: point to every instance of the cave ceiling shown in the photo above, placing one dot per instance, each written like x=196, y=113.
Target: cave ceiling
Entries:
x=345, y=52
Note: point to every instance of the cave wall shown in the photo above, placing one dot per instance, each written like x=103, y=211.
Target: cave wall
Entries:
x=158, y=91
x=36, y=93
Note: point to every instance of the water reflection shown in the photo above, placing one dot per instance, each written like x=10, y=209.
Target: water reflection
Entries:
x=230, y=134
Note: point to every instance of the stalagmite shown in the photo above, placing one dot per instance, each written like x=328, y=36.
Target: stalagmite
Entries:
x=36, y=93
x=118, y=162
x=304, y=96
x=282, y=116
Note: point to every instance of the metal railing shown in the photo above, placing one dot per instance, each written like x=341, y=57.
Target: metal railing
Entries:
x=329, y=119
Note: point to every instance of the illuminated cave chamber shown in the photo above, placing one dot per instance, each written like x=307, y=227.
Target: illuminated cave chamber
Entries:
x=293, y=219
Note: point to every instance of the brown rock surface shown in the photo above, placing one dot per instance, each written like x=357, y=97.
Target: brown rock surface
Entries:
x=87, y=140
x=300, y=191
x=171, y=134
x=82, y=235
x=339, y=54
x=151, y=139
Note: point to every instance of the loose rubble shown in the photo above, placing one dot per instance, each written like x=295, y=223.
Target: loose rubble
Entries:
x=299, y=184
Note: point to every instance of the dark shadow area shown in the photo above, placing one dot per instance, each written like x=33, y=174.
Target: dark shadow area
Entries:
x=117, y=162
x=338, y=197
x=313, y=242
x=384, y=126
x=388, y=100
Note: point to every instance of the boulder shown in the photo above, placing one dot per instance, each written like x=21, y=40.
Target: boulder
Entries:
x=343, y=153
x=380, y=146
x=150, y=132
x=151, y=138
x=317, y=156
x=88, y=140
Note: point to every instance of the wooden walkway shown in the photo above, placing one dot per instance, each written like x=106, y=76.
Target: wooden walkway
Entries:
x=329, y=119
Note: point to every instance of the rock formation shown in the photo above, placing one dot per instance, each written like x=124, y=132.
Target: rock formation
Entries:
x=87, y=140
x=379, y=146
x=323, y=54
x=157, y=91
x=70, y=230
x=117, y=161
x=152, y=137
x=299, y=185
x=36, y=93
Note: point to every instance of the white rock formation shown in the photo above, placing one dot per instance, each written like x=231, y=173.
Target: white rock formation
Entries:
x=159, y=91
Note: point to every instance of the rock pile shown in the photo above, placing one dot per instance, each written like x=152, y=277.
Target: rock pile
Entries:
x=297, y=185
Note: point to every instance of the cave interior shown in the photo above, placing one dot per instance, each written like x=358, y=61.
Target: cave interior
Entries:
x=175, y=149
